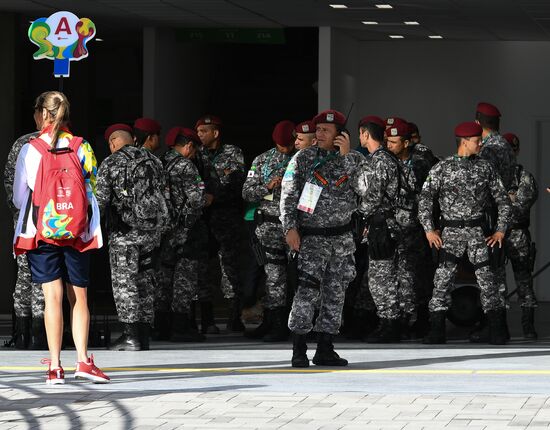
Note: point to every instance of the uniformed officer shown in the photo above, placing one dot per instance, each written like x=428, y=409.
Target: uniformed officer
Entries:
x=411, y=246
x=419, y=150
x=464, y=184
x=224, y=216
x=319, y=193
x=130, y=248
x=378, y=207
x=179, y=266
x=305, y=135
x=147, y=134
x=519, y=248
x=263, y=187
x=28, y=298
x=498, y=152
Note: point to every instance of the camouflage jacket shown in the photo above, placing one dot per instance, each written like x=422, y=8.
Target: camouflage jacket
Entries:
x=208, y=173
x=9, y=169
x=525, y=196
x=227, y=158
x=379, y=184
x=498, y=151
x=264, y=168
x=112, y=197
x=337, y=175
x=185, y=186
x=421, y=162
x=463, y=186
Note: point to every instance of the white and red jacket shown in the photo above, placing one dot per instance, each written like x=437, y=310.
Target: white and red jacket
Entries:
x=25, y=177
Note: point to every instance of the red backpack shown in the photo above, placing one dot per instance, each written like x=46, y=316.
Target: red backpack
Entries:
x=59, y=199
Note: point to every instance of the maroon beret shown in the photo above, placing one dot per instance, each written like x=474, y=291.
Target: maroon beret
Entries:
x=488, y=109
x=512, y=139
x=209, y=120
x=372, y=118
x=116, y=127
x=305, y=127
x=283, y=133
x=147, y=125
x=399, y=128
x=330, y=117
x=413, y=128
x=468, y=129
x=393, y=120
x=174, y=132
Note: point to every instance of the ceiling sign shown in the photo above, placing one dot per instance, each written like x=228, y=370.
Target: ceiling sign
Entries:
x=62, y=37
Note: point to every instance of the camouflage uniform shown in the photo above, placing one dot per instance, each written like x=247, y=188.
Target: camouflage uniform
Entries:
x=326, y=262
x=179, y=272
x=224, y=215
x=518, y=241
x=131, y=250
x=28, y=298
x=200, y=243
x=381, y=188
x=264, y=168
x=463, y=186
x=498, y=151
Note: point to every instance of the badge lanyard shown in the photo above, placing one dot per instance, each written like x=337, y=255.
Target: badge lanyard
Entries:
x=266, y=172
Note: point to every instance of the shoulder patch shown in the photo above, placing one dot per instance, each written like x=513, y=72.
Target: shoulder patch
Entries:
x=251, y=173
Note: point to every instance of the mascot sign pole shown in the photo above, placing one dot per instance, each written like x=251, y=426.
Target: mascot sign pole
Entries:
x=62, y=37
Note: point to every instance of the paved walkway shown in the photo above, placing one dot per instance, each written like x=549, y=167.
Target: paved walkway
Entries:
x=233, y=383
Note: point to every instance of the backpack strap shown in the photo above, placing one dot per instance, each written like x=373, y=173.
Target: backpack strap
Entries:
x=74, y=143
x=40, y=145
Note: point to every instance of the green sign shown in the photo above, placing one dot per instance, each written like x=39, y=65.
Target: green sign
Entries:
x=270, y=36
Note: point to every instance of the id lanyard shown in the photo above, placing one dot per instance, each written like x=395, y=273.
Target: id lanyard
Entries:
x=266, y=172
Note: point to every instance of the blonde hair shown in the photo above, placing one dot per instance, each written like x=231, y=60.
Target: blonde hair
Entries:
x=57, y=105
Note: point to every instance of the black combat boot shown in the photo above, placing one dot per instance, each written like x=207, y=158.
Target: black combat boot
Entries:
x=278, y=330
x=208, y=323
x=481, y=333
x=129, y=340
x=264, y=327
x=162, y=325
x=528, y=323
x=404, y=327
x=144, y=335
x=23, y=332
x=39, y=341
x=421, y=326
x=325, y=354
x=497, y=327
x=234, y=323
x=437, y=334
x=183, y=331
x=387, y=332
x=299, y=351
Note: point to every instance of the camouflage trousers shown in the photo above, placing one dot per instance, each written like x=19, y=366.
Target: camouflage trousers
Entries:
x=273, y=241
x=224, y=226
x=180, y=272
x=326, y=266
x=456, y=241
x=133, y=281
x=517, y=245
x=28, y=298
x=363, y=298
x=383, y=286
x=410, y=244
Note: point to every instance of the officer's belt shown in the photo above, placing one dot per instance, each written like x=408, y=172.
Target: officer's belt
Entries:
x=462, y=223
x=325, y=231
x=269, y=218
x=520, y=225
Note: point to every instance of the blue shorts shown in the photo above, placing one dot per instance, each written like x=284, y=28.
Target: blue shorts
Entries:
x=50, y=262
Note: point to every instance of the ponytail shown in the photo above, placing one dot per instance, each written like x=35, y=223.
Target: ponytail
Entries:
x=57, y=106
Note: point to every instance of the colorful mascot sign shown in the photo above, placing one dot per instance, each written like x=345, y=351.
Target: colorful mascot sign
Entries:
x=62, y=37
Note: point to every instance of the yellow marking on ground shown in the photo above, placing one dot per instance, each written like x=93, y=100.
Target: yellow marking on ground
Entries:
x=306, y=370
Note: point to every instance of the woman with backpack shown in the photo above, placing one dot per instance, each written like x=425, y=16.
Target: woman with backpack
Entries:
x=58, y=225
